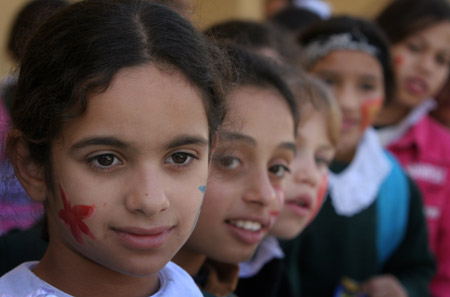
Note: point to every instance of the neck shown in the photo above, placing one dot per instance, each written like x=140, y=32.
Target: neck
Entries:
x=76, y=275
x=345, y=156
x=391, y=115
x=189, y=260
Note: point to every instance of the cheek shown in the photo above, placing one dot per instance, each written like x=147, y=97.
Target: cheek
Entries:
x=280, y=195
x=74, y=217
x=369, y=111
x=321, y=193
x=398, y=60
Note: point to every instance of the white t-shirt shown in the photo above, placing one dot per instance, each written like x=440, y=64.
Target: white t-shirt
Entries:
x=22, y=282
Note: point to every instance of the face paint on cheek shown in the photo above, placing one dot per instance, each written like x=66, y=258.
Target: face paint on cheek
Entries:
x=202, y=189
x=321, y=193
x=369, y=110
x=398, y=60
x=73, y=217
x=280, y=195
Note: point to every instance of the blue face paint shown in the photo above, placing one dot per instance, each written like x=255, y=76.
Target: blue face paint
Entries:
x=202, y=189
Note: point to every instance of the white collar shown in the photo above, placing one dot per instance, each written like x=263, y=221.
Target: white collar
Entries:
x=268, y=249
x=355, y=188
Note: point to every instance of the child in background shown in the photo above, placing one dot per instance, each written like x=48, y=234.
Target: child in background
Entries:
x=17, y=210
x=112, y=130
x=317, y=138
x=419, y=32
x=263, y=38
x=371, y=228
x=244, y=193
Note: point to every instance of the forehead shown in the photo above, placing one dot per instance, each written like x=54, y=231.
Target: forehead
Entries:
x=349, y=62
x=142, y=104
x=437, y=35
x=314, y=126
x=258, y=107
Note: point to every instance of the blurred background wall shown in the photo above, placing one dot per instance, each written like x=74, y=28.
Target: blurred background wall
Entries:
x=205, y=13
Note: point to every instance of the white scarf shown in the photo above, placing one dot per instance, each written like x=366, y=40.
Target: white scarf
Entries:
x=356, y=188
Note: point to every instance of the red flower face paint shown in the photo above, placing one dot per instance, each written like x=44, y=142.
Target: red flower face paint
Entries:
x=321, y=193
x=369, y=110
x=280, y=194
x=73, y=217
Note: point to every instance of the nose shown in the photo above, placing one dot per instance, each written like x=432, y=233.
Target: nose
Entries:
x=146, y=193
x=347, y=97
x=304, y=169
x=260, y=189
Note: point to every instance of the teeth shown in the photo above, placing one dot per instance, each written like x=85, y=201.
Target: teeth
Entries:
x=247, y=225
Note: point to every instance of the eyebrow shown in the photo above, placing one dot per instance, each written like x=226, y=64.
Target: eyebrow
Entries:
x=111, y=141
x=232, y=136
x=187, y=140
x=289, y=146
x=92, y=141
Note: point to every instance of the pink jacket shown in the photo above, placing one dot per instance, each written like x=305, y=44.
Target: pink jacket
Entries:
x=424, y=151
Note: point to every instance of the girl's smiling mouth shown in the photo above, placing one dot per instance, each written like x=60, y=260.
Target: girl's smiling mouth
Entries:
x=249, y=230
x=143, y=239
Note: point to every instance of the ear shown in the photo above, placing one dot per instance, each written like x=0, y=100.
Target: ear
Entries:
x=29, y=173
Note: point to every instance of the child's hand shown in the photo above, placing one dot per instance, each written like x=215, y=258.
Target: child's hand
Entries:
x=384, y=286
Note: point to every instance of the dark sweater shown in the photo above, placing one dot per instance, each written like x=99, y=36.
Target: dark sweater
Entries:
x=271, y=281
x=335, y=246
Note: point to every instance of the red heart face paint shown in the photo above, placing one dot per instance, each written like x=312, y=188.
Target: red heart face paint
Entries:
x=321, y=193
x=73, y=217
x=369, y=110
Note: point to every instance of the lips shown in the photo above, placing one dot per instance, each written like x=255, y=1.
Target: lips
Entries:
x=349, y=123
x=301, y=205
x=143, y=238
x=416, y=86
x=248, y=230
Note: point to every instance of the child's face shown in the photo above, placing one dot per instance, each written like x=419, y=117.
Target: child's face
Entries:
x=356, y=78
x=422, y=64
x=126, y=174
x=307, y=184
x=244, y=192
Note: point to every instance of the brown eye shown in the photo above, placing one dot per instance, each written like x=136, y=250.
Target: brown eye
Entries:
x=227, y=162
x=179, y=158
x=105, y=160
x=279, y=170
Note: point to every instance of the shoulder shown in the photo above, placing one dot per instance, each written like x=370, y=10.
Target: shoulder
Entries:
x=177, y=282
x=21, y=281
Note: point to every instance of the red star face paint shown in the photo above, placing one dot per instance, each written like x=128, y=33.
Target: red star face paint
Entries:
x=369, y=110
x=73, y=217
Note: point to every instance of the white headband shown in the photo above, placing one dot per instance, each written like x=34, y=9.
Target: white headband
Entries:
x=316, y=50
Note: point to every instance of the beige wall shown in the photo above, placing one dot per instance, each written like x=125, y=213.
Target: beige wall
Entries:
x=8, y=9
x=206, y=12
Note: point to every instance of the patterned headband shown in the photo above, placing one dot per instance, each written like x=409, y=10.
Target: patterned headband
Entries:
x=318, y=49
